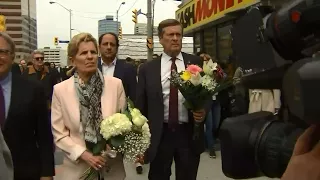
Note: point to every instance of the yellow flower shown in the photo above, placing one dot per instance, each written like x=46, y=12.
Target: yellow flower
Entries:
x=186, y=75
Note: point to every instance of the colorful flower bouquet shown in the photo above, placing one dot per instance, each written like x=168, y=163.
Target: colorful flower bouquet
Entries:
x=198, y=85
x=127, y=133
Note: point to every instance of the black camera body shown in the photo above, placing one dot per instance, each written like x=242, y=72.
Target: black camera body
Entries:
x=279, y=46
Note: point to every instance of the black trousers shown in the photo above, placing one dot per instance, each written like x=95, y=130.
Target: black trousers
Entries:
x=175, y=145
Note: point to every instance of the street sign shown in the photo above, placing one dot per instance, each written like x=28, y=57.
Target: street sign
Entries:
x=63, y=41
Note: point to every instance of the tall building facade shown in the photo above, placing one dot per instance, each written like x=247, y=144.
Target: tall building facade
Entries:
x=108, y=25
x=55, y=55
x=141, y=29
x=21, y=22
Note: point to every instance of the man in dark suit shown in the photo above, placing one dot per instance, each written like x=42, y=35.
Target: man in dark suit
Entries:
x=109, y=65
x=171, y=124
x=24, y=120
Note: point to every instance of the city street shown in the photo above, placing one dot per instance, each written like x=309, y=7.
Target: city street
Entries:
x=209, y=169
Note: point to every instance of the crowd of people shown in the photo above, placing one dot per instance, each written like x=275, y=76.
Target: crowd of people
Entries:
x=43, y=106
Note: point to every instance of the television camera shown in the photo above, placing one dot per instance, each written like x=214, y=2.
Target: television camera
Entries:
x=278, y=46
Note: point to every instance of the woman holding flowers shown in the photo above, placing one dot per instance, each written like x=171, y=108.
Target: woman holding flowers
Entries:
x=79, y=105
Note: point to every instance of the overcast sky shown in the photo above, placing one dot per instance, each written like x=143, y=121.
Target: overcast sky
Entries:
x=53, y=20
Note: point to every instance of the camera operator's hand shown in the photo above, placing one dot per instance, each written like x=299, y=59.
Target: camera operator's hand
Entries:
x=305, y=161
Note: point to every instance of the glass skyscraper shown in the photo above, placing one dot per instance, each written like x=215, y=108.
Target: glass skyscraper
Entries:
x=108, y=25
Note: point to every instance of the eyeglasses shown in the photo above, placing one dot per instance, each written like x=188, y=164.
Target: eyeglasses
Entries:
x=39, y=58
x=4, y=52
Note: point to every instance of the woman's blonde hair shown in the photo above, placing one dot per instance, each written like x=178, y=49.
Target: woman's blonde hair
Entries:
x=73, y=46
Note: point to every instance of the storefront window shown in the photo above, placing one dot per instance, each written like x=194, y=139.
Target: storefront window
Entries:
x=224, y=43
x=197, y=42
x=210, y=45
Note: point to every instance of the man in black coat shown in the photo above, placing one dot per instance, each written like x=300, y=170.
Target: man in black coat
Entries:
x=110, y=65
x=171, y=124
x=24, y=120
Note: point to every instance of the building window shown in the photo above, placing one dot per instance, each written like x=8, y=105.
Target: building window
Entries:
x=197, y=42
x=224, y=42
x=210, y=43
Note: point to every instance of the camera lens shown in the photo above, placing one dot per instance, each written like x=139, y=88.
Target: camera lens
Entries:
x=256, y=144
x=275, y=146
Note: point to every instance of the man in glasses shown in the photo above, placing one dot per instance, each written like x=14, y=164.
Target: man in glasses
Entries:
x=24, y=123
x=38, y=72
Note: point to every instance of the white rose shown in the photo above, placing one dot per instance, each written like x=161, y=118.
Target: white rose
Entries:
x=139, y=121
x=135, y=113
x=195, y=79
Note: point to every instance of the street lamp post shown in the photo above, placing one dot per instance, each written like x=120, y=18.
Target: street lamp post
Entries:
x=118, y=17
x=70, y=12
x=75, y=30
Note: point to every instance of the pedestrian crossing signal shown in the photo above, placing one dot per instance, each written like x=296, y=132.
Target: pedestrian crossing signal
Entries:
x=150, y=43
x=2, y=23
x=56, y=41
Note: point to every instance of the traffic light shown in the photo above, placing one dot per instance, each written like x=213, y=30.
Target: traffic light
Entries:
x=120, y=33
x=149, y=43
x=135, y=16
x=2, y=23
x=56, y=41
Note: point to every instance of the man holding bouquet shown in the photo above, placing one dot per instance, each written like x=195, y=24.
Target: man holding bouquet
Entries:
x=171, y=124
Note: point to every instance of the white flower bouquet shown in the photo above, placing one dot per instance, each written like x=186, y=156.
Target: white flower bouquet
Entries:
x=127, y=133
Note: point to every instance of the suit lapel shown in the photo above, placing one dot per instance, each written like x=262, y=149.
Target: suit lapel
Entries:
x=73, y=101
x=117, y=69
x=186, y=60
x=100, y=64
x=15, y=96
x=156, y=78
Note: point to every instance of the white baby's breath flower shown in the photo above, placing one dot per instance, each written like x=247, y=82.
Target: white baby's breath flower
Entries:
x=208, y=82
x=117, y=124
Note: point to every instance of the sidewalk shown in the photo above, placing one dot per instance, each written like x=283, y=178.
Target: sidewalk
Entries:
x=209, y=169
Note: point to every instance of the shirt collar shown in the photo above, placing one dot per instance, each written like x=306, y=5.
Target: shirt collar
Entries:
x=114, y=62
x=167, y=57
x=6, y=80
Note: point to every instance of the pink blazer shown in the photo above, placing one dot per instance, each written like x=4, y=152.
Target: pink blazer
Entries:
x=67, y=130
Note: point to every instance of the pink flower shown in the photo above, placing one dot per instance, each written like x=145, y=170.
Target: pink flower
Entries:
x=194, y=69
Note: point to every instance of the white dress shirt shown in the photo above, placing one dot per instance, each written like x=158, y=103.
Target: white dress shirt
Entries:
x=165, y=82
x=108, y=70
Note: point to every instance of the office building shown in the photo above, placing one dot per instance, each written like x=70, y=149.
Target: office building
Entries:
x=108, y=25
x=21, y=22
x=134, y=46
x=55, y=55
x=141, y=29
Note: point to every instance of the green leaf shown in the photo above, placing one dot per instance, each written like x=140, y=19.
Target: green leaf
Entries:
x=127, y=113
x=188, y=105
x=130, y=103
x=117, y=141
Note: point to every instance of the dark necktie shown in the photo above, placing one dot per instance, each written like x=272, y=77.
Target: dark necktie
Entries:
x=173, y=101
x=2, y=109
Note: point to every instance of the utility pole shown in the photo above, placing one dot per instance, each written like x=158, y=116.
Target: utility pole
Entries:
x=150, y=28
x=70, y=25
